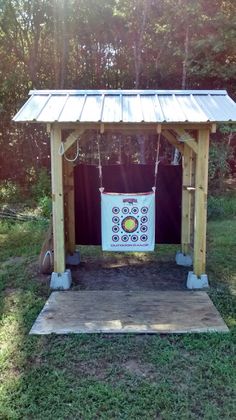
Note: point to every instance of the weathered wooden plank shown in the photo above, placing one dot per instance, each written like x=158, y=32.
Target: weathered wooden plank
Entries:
x=186, y=199
x=201, y=203
x=125, y=312
x=57, y=202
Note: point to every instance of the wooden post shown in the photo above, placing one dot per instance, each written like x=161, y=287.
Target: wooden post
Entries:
x=201, y=202
x=69, y=206
x=57, y=201
x=186, y=200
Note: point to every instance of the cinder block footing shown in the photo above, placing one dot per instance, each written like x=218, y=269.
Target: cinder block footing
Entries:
x=61, y=281
x=185, y=260
x=195, y=282
x=73, y=259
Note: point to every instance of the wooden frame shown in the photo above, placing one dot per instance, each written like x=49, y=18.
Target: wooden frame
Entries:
x=194, y=188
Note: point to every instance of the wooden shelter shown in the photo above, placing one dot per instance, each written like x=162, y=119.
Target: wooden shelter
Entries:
x=184, y=118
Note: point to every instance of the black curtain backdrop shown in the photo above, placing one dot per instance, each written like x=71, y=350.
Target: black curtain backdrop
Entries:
x=128, y=179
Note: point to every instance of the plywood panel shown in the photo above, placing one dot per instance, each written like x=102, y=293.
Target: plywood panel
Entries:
x=127, y=311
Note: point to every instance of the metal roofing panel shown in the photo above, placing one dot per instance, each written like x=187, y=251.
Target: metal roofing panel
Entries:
x=52, y=109
x=112, y=109
x=32, y=108
x=132, y=108
x=148, y=108
x=92, y=110
x=72, y=108
x=190, y=108
x=171, y=109
x=226, y=106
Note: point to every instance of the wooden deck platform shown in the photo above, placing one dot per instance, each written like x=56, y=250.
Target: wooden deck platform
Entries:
x=128, y=312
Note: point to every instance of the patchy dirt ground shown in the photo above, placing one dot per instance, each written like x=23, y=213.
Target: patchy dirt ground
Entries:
x=128, y=273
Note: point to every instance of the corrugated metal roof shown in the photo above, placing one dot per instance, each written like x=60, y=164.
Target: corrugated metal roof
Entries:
x=129, y=106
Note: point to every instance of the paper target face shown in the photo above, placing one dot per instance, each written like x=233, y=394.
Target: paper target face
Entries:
x=128, y=222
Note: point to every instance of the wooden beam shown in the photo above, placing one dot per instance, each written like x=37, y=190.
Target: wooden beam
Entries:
x=70, y=140
x=69, y=206
x=186, y=199
x=137, y=126
x=172, y=140
x=186, y=138
x=201, y=203
x=213, y=128
x=57, y=202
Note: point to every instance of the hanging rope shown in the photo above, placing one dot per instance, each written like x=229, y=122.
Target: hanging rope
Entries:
x=61, y=152
x=157, y=161
x=100, y=164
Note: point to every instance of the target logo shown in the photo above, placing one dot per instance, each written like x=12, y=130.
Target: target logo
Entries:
x=144, y=219
x=115, y=229
x=134, y=238
x=115, y=210
x=135, y=210
x=144, y=210
x=115, y=219
x=124, y=238
x=143, y=238
x=143, y=228
x=115, y=238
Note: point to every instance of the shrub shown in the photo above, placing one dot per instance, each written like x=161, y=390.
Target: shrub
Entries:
x=219, y=168
x=10, y=192
x=42, y=185
x=45, y=206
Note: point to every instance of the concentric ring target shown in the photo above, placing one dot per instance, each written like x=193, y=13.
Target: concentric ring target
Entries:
x=115, y=229
x=134, y=238
x=125, y=210
x=143, y=238
x=143, y=228
x=115, y=238
x=144, y=219
x=134, y=210
x=115, y=219
x=129, y=224
x=124, y=238
x=144, y=210
x=115, y=210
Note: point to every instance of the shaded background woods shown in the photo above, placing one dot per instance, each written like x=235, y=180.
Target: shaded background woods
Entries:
x=86, y=44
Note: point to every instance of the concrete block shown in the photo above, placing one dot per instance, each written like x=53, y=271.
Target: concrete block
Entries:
x=185, y=260
x=73, y=259
x=61, y=281
x=195, y=282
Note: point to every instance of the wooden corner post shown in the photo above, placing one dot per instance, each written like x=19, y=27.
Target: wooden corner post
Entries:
x=57, y=201
x=187, y=195
x=199, y=263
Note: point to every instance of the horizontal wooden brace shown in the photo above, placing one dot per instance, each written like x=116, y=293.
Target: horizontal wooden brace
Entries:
x=137, y=126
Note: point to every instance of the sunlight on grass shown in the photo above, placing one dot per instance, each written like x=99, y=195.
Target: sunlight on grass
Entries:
x=109, y=376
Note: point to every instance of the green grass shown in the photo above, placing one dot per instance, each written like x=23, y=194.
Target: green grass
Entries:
x=108, y=376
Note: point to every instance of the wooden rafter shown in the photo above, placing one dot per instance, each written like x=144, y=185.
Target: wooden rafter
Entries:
x=173, y=140
x=185, y=137
x=70, y=140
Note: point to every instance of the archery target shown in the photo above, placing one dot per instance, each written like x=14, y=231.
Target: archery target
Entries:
x=128, y=222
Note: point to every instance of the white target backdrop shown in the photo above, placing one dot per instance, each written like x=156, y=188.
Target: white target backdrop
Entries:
x=128, y=222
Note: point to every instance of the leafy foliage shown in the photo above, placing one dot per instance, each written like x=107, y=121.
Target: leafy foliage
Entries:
x=107, y=44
